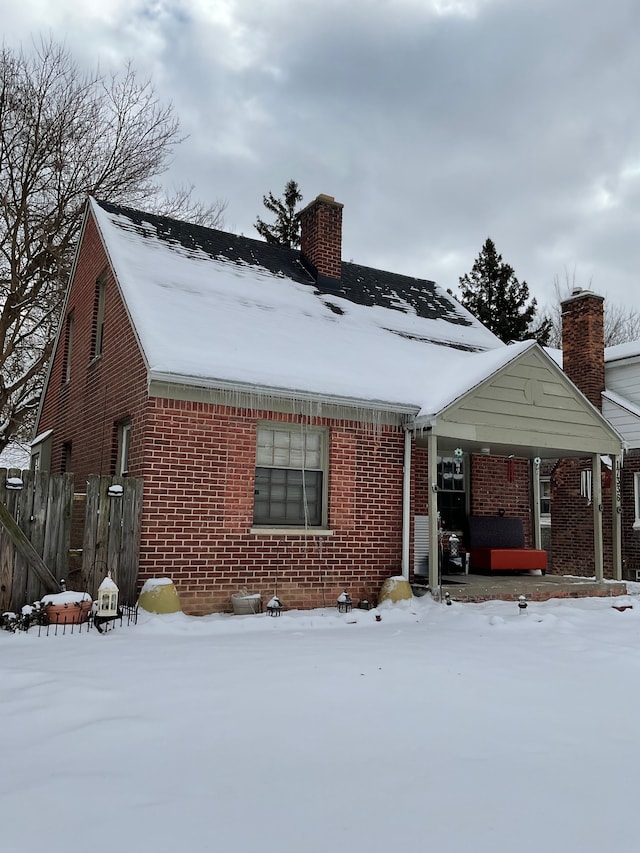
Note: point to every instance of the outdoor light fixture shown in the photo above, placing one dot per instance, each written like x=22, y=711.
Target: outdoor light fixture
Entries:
x=115, y=491
x=522, y=603
x=454, y=547
x=344, y=603
x=13, y=483
x=274, y=607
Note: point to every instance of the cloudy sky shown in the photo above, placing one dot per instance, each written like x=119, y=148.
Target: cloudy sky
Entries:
x=436, y=122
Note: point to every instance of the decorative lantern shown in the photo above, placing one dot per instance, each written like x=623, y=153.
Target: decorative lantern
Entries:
x=454, y=546
x=344, y=602
x=107, y=598
x=522, y=603
x=274, y=607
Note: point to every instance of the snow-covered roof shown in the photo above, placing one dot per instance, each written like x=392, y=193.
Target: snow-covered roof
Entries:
x=209, y=306
x=631, y=349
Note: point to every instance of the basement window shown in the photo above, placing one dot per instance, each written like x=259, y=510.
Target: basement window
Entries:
x=290, y=477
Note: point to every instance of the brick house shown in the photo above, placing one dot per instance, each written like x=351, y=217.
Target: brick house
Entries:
x=610, y=379
x=293, y=416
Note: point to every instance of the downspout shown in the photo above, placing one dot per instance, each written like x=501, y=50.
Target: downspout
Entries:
x=406, y=504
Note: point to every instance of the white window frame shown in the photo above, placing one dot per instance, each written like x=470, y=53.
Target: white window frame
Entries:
x=314, y=459
x=124, y=443
x=545, y=517
x=99, y=310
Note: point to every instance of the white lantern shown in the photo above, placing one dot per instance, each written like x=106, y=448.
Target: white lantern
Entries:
x=107, y=598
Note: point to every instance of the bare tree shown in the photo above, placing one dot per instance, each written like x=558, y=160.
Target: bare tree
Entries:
x=621, y=323
x=65, y=134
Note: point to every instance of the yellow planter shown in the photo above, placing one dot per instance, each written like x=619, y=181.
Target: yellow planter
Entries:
x=395, y=589
x=159, y=595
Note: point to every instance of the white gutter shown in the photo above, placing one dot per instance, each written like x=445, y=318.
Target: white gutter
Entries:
x=285, y=393
x=406, y=504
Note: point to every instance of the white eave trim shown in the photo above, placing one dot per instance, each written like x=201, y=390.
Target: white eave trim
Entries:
x=249, y=388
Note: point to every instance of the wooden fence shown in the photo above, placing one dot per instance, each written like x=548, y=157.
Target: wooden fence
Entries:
x=36, y=535
x=112, y=534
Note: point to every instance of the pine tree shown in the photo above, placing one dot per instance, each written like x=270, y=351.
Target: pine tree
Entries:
x=493, y=294
x=285, y=231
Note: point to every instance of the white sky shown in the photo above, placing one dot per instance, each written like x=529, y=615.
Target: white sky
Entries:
x=436, y=122
x=462, y=729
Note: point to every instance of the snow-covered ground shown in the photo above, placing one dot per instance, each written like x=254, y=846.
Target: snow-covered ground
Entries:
x=469, y=728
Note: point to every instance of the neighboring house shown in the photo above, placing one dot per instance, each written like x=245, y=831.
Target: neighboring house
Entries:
x=295, y=418
x=611, y=379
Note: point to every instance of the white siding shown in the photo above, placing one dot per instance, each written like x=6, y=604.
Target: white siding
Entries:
x=624, y=379
x=625, y=422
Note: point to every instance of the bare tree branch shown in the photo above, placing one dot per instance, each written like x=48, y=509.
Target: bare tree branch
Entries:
x=621, y=323
x=66, y=134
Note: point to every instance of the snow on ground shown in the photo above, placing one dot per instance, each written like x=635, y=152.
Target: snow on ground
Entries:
x=462, y=729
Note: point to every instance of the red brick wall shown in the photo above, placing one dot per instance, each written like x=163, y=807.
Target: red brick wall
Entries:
x=102, y=391
x=498, y=483
x=199, y=481
x=572, y=521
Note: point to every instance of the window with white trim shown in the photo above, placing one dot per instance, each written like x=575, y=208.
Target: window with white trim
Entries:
x=290, y=480
x=98, y=316
x=545, y=500
x=122, y=455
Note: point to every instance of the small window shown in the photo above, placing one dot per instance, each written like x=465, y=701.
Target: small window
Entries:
x=98, y=316
x=65, y=464
x=122, y=455
x=290, y=477
x=636, y=500
x=68, y=346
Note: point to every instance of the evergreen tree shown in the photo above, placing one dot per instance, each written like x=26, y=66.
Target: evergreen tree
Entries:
x=285, y=231
x=493, y=294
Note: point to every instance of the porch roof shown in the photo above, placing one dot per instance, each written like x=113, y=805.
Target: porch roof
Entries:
x=526, y=407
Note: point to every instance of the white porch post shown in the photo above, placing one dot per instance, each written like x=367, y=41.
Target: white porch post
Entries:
x=596, y=497
x=406, y=504
x=535, y=477
x=434, y=549
x=616, y=514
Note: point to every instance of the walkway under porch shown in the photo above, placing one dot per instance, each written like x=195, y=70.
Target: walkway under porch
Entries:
x=508, y=586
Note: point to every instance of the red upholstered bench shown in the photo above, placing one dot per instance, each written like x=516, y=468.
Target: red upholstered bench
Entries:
x=496, y=543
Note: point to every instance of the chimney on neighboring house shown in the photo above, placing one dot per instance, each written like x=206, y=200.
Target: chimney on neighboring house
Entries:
x=321, y=239
x=583, y=343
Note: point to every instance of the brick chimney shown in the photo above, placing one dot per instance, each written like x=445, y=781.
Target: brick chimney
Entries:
x=583, y=343
x=321, y=239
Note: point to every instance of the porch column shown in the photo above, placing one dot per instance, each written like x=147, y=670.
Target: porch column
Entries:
x=434, y=550
x=596, y=497
x=535, y=478
x=616, y=516
x=406, y=504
